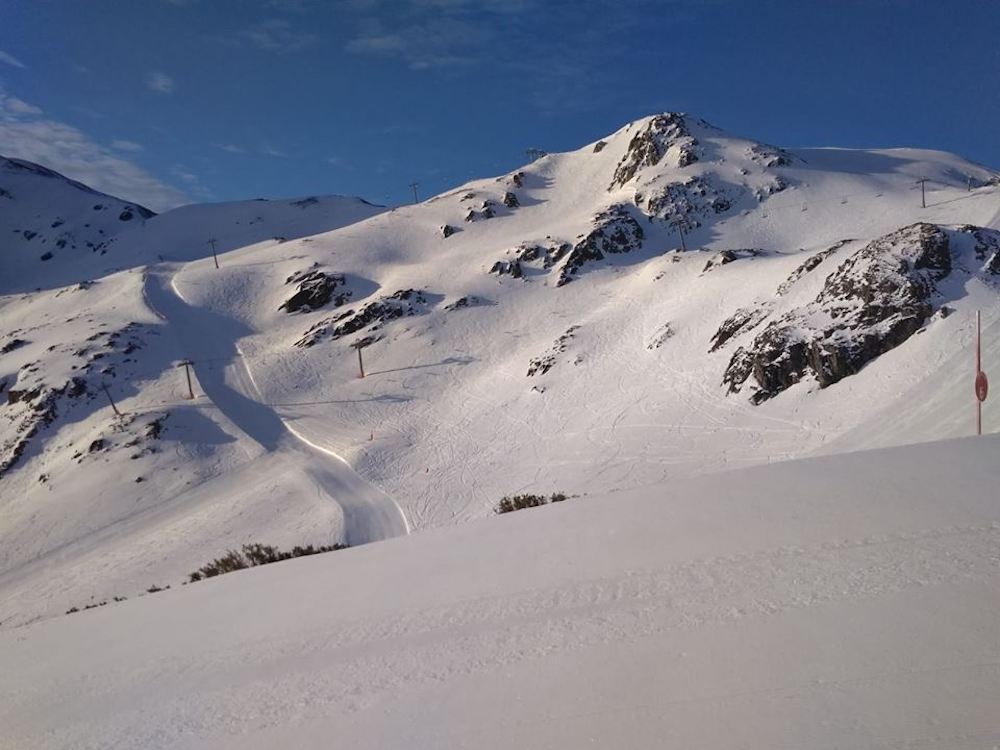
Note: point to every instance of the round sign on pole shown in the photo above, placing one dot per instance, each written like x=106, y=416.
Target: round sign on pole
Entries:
x=982, y=385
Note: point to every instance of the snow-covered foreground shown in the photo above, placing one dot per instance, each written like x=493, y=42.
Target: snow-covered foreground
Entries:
x=845, y=601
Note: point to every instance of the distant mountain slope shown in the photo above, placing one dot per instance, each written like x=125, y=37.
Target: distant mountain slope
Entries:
x=56, y=231
x=47, y=220
x=668, y=301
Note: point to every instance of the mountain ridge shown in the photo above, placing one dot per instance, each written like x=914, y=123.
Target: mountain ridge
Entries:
x=560, y=336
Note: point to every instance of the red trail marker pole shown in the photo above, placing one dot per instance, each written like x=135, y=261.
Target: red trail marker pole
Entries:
x=982, y=383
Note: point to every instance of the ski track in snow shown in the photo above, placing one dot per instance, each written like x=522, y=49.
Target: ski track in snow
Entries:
x=355, y=665
x=369, y=514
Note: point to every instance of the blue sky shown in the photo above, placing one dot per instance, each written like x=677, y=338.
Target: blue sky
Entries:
x=173, y=101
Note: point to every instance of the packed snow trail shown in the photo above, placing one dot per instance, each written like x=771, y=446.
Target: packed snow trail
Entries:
x=209, y=341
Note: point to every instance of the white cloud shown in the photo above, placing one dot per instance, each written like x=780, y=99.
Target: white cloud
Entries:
x=426, y=38
x=8, y=58
x=277, y=36
x=269, y=150
x=232, y=148
x=123, y=145
x=18, y=106
x=25, y=134
x=159, y=82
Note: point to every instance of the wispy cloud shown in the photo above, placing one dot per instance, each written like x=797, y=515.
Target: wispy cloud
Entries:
x=160, y=82
x=16, y=106
x=277, y=35
x=232, y=148
x=422, y=43
x=269, y=150
x=428, y=34
x=560, y=72
x=191, y=180
x=6, y=57
x=26, y=134
x=123, y=145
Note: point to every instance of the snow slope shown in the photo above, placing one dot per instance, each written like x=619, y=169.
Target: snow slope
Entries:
x=458, y=424
x=123, y=502
x=284, y=444
x=54, y=228
x=844, y=601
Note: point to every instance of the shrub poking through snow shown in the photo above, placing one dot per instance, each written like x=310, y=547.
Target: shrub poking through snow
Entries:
x=252, y=555
x=520, y=502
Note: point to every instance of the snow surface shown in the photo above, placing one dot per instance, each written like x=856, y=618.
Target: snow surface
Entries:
x=286, y=445
x=845, y=601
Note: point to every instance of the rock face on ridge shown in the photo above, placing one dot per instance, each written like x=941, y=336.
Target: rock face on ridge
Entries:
x=875, y=300
x=648, y=147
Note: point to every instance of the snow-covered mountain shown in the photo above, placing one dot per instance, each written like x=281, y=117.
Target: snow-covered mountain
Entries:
x=668, y=301
x=53, y=226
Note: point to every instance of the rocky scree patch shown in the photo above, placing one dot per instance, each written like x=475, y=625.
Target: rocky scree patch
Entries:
x=542, y=364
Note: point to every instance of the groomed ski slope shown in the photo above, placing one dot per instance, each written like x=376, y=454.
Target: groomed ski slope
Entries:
x=845, y=601
x=121, y=521
x=209, y=338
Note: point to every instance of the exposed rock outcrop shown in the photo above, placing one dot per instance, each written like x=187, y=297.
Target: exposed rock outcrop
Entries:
x=615, y=231
x=872, y=303
x=316, y=290
x=687, y=201
x=542, y=364
x=370, y=317
x=14, y=343
x=987, y=247
x=769, y=156
x=662, y=134
x=487, y=210
x=810, y=263
x=463, y=302
x=725, y=257
x=40, y=408
x=660, y=337
x=508, y=268
x=743, y=320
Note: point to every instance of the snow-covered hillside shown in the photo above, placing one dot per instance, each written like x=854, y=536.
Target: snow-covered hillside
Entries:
x=668, y=301
x=53, y=227
x=843, y=602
